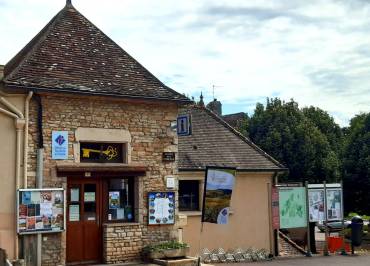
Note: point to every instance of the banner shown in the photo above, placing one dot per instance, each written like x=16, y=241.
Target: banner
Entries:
x=334, y=204
x=316, y=205
x=292, y=207
x=218, y=187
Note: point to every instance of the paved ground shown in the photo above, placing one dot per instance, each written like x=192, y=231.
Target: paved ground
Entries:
x=357, y=260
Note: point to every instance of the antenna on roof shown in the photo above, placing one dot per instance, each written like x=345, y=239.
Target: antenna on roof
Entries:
x=213, y=90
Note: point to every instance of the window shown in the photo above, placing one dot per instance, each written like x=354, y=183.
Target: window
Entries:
x=120, y=200
x=189, y=195
x=102, y=152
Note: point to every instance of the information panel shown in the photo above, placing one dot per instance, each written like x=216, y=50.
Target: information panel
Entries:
x=161, y=208
x=334, y=203
x=292, y=207
x=40, y=210
x=316, y=205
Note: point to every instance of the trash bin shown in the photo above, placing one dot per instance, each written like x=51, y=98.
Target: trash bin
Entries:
x=356, y=230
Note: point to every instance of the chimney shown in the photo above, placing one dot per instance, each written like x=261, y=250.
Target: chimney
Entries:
x=1, y=72
x=215, y=106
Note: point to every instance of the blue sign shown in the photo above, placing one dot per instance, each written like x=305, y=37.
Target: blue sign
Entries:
x=59, y=145
x=183, y=125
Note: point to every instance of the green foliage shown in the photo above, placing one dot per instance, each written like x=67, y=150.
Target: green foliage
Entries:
x=303, y=140
x=165, y=246
x=356, y=164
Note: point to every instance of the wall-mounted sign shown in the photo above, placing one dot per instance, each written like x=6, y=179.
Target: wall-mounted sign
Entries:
x=59, y=145
x=170, y=182
x=168, y=157
x=161, y=208
x=40, y=210
x=183, y=125
x=292, y=207
x=101, y=152
x=218, y=187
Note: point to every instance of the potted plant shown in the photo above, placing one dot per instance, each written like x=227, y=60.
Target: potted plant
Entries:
x=166, y=250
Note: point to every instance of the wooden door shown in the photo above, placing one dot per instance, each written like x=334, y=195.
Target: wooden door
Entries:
x=84, y=236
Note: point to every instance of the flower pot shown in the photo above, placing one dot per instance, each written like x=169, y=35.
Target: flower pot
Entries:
x=168, y=253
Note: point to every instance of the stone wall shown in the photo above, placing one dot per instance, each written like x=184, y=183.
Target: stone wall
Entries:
x=149, y=125
x=124, y=242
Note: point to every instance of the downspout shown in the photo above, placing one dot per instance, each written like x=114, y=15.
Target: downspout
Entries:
x=25, y=141
x=39, y=167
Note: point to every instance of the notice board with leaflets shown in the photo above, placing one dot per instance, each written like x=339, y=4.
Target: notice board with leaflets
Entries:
x=40, y=210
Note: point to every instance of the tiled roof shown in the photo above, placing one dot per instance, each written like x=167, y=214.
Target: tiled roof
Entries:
x=215, y=143
x=72, y=55
x=235, y=120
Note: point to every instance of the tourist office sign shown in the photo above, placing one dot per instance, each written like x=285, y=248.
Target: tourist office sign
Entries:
x=41, y=210
x=59, y=145
x=293, y=212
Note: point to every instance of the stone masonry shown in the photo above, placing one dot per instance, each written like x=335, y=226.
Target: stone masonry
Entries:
x=149, y=125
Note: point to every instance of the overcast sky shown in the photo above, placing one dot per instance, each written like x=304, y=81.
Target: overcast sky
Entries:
x=316, y=52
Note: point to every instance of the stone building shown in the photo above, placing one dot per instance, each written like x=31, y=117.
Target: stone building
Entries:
x=116, y=116
x=214, y=142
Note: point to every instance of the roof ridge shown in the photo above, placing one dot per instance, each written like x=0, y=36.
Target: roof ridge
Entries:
x=241, y=136
x=33, y=44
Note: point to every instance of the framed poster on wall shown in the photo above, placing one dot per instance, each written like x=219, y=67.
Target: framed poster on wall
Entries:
x=40, y=210
x=161, y=208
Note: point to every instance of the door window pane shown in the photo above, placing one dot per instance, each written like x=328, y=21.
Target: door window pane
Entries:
x=89, y=202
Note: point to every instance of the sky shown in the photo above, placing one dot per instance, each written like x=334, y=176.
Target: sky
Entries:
x=241, y=52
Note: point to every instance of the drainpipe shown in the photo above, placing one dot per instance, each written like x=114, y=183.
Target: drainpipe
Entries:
x=25, y=141
x=19, y=125
x=39, y=168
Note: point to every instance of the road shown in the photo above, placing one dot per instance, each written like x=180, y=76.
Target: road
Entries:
x=335, y=260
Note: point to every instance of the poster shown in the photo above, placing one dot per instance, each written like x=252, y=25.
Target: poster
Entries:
x=40, y=210
x=218, y=189
x=316, y=205
x=114, y=200
x=89, y=196
x=292, y=207
x=74, y=213
x=334, y=204
x=161, y=208
x=75, y=194
x=59, y=146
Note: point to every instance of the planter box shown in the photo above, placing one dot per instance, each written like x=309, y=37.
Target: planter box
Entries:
x=168, y=253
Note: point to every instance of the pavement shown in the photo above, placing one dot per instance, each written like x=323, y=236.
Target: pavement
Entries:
x=337, y=260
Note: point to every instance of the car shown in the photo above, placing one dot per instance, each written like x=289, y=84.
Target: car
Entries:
x=333, y=226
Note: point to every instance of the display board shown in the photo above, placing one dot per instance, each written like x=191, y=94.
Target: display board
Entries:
x=334, y=204
x=161, y=208
x=40, y=210
x=218, y=187
x=316, y=205
x=292, y=207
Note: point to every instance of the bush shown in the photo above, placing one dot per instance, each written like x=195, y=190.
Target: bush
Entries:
x=164, y=246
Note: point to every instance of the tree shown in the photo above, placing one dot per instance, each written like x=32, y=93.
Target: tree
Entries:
x=356, y=165
x=294, y=139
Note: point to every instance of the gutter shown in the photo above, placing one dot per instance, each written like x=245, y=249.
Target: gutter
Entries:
x=70, y=91
x=267, y=170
